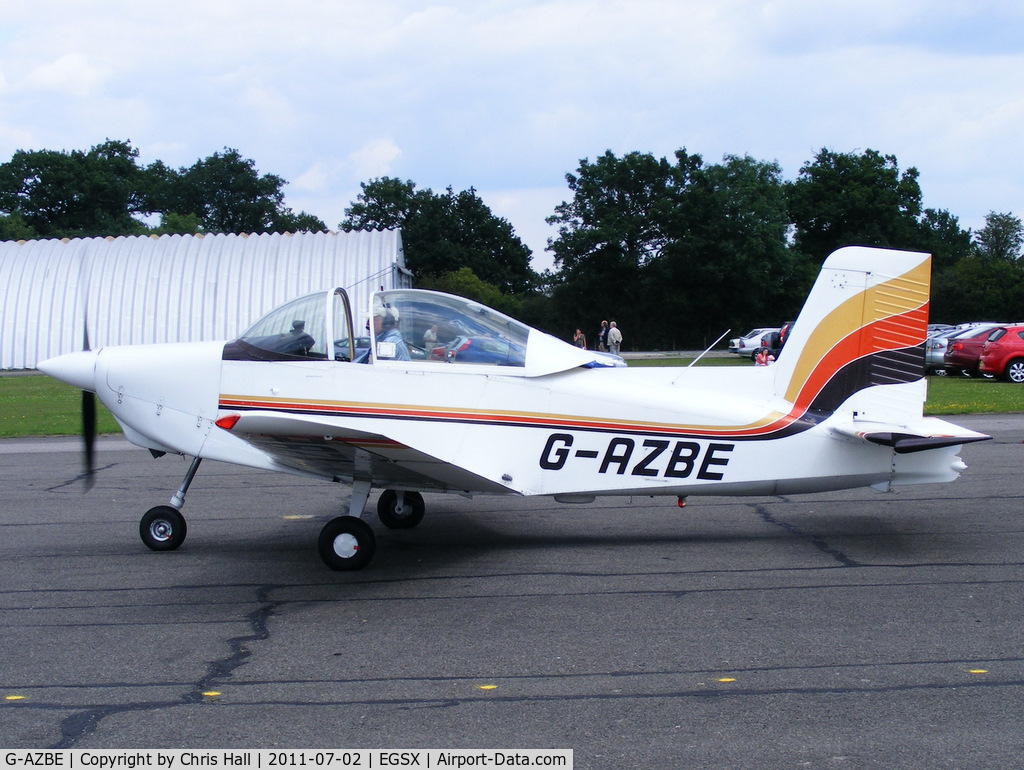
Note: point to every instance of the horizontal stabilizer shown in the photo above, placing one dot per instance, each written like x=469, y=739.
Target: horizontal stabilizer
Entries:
x=905, y=441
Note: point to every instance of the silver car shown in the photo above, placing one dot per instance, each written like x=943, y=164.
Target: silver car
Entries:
x=748, y=344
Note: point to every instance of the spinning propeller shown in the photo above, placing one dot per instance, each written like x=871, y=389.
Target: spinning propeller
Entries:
x=79, y=369
x=88, y=419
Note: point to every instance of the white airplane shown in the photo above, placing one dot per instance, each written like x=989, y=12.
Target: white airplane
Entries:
x=446, y=395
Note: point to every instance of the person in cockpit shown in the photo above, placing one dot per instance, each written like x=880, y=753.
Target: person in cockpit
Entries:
x=386, y=335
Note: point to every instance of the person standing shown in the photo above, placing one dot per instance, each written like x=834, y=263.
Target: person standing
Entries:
x=614, y=338
x=579, y=339
x=602, y=337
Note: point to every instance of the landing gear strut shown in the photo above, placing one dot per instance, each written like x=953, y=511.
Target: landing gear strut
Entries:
x=163, y=528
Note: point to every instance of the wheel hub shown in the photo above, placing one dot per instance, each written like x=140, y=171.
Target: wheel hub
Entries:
x=161, y=530
x=346, y=546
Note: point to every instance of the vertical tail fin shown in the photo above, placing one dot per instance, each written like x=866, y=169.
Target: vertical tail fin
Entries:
x=864, y=324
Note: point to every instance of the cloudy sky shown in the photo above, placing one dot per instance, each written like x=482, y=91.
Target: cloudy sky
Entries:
x=507, y=96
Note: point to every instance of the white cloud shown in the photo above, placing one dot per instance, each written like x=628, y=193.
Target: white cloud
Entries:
x=314, y=179
x=72, y=74
x=375, y=159
x=527, y=210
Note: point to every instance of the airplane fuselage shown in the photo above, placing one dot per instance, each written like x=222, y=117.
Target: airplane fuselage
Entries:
x=667, y=431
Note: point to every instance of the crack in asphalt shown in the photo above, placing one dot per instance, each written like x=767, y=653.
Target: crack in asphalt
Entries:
x=84, y=723
x=83, y=478
x=816, y=540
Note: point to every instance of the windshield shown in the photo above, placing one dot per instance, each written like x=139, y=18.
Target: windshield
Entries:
x=316, y=326
x=425, y=326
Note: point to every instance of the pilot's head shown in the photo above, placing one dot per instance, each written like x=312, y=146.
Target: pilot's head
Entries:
x=384, y=316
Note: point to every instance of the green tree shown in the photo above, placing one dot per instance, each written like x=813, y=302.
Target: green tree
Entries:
x=942, y=237
x=172, y=223
x=14, y=228
x=846, y=199
x=443, y=233
x=386, y=203
x=731, y=245
x=1001, y=239
x=75, y=194
x=665, y=247
x=465, y=283
x=613, y=227
x=978, y=288
x=226, y=194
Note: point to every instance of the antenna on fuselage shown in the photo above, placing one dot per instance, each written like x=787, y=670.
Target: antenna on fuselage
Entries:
x=708, y=349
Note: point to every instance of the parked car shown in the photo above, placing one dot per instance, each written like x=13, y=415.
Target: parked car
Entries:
x=963, y=350
x=776, y=340
x=1003, y=353
x=748, y=344
x=935, y=347
x=935, y=350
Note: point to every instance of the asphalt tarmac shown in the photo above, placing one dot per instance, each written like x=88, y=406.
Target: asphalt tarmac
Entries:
x=849, y=629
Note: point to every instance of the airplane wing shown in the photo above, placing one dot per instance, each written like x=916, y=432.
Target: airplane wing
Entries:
x=310, y=446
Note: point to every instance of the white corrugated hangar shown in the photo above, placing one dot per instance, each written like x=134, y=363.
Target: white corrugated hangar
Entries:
x=175, y=288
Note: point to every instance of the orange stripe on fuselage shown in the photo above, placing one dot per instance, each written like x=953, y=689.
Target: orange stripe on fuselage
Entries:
x=771, y=421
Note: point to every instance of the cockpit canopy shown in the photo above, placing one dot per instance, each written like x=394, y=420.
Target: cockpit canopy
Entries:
x=409, y=326
x=447, y=329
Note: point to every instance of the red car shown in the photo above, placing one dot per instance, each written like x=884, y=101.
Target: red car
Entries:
x=964, y=349
x=1003, y=353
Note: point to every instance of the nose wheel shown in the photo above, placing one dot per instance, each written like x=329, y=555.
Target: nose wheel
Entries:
x=163, y=528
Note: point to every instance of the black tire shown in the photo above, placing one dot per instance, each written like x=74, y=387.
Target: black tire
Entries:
x=346, y=543
x=1015, y=371
x=163, y=528
x=976, y=372
x=406, y=517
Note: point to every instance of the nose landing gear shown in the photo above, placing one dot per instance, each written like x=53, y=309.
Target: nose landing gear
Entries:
x=163, y=528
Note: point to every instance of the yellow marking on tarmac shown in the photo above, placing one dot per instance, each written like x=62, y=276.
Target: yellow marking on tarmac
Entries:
x=211, y=694
x=488, y=687
x=296, y=517
x=726, y=679
x=977, y=671
x=15, y=697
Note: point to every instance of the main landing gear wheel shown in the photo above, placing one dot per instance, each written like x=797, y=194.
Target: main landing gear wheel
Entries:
x=347, y=543
x=163, y=528
x=404, y=515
